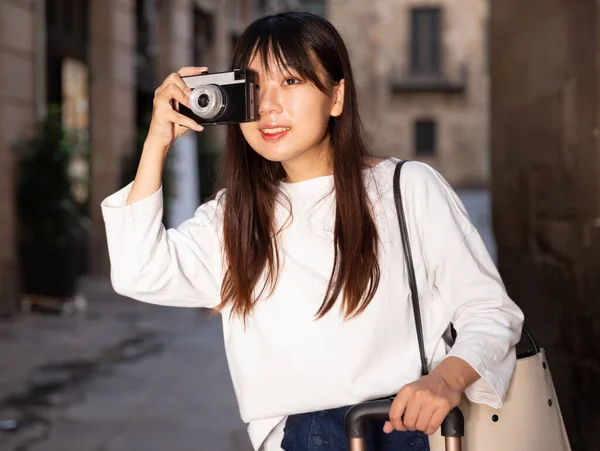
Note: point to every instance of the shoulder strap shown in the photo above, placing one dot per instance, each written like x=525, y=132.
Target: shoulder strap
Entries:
x=409, y=266
x=535, y=349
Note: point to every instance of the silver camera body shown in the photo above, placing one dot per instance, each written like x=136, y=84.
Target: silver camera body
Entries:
x=222, y=97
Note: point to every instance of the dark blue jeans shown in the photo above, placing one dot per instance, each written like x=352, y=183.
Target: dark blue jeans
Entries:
x=324, y=431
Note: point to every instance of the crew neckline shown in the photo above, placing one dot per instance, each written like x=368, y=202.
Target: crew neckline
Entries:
x=321, y=179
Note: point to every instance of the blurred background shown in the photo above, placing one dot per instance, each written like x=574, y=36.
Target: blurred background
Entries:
x=501, y=96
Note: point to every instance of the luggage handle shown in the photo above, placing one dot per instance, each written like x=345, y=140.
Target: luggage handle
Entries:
x=358, y=417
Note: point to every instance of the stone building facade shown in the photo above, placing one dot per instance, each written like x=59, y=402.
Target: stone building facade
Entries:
x=546, y=188
x=422, y=75
x=423, y=85
x=116, y=52
x=20, y=65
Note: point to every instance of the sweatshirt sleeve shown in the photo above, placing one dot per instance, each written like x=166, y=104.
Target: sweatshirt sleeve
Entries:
x=176, y=267
x=488, y=323
x=459, y=267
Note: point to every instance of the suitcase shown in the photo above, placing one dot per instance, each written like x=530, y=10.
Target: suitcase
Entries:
x=358, y=417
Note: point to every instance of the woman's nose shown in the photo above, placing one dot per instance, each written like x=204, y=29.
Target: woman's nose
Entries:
x=269, y=101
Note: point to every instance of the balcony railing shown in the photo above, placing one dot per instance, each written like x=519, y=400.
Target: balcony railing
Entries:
x=444, y=81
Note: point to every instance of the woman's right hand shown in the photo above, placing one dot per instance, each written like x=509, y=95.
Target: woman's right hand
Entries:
x=167, y=124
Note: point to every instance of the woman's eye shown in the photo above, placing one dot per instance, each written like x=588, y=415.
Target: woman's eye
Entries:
x=291, y=81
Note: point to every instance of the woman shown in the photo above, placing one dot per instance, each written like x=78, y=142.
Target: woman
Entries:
x=301, y=254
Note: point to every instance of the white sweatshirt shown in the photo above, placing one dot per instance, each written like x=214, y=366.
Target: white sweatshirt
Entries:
x=284, y=362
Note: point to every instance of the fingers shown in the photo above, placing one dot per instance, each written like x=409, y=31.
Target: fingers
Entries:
x=436, y=421
x=184, y=121
x=397, y=410
x=411, y=415
x=423, y=420
x=419, y=408
x=191, y=71
x=417, y=417
x=172, y=92
x=166, y=103
x=164, y=112
x=387, y=427
x=175, y=79
x=172, y=80
x=430, y=416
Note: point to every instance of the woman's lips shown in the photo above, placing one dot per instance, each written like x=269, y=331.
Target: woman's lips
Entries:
x=274, y=136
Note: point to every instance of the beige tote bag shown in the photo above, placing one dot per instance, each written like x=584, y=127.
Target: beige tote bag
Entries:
x=530, y=419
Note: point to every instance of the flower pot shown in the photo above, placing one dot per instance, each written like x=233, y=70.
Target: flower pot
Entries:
x=51, y=270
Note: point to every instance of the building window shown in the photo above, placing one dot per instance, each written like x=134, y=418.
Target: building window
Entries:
x=67, y=28
x=426, y=41
x=69, y=18
x=66, y=37
x=425, y=137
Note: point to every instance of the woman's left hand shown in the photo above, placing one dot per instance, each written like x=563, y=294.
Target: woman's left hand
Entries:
x=423, y=405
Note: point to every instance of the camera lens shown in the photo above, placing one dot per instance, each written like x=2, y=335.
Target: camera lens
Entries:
x=203, y=101
x=207, y=101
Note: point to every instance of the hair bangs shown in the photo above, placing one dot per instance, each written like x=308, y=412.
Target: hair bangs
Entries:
x=279, y=50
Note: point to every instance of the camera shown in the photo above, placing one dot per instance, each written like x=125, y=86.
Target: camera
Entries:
x=222, y=97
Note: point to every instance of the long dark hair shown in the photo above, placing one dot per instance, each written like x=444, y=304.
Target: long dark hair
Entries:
x=298, y=42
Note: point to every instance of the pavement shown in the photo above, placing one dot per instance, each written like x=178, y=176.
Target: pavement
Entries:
x=119, y=375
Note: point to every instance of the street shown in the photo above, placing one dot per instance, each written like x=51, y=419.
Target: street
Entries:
x=125, y=376
x=122, y=375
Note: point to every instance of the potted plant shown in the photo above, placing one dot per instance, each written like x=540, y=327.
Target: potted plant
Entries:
x=52, y=228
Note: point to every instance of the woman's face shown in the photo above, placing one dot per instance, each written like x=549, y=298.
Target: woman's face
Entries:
x=293, y=117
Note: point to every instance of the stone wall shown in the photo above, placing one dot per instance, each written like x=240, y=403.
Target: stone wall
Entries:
x=18, y=69
x=545, y=186
x=112, y=103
